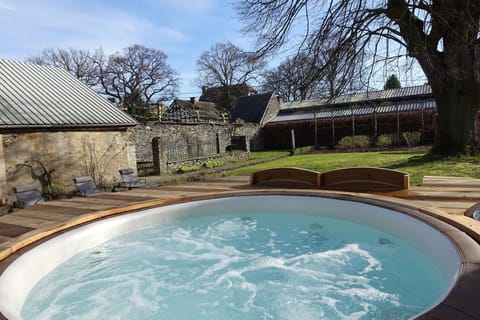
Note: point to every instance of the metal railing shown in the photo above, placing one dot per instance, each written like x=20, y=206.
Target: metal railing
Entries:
x=184, y=150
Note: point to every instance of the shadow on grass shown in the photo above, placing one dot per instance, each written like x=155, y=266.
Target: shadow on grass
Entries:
x=432, y=159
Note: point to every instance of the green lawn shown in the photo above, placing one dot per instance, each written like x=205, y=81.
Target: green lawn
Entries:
x=416, y=163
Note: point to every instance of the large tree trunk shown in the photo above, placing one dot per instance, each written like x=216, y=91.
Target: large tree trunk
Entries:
x=457, y=121
x=450, y=58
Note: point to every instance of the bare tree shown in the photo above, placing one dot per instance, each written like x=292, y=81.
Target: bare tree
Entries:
x=78, y=62
x=137, y=77
x=442, y=36
x=315, y=76
x=225, y=65
x=293, y=79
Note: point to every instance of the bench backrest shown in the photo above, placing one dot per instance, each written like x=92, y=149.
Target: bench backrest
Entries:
x=85, y=185
x=365, y=179
x=27, y=195
x=286, y=178
x=129, y=177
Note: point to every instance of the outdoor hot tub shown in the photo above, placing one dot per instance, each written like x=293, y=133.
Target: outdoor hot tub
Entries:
x=252, y=256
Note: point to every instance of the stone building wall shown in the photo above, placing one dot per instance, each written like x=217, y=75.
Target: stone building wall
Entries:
x=99, y=154
x=191, y=133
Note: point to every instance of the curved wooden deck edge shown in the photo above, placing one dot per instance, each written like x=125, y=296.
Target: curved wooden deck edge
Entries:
x=459, y=304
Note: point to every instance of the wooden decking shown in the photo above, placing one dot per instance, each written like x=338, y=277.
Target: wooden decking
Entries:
x=446, y=198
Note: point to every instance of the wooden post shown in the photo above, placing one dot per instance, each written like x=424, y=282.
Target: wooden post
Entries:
x=292, y=140
x=315, y=138
x=353, y=122
x=422, y=129
x=333, y=129
x=398, y=122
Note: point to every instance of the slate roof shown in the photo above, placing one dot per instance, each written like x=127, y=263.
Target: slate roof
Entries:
x=251, y=108
x=187, y=112
x=37, y=96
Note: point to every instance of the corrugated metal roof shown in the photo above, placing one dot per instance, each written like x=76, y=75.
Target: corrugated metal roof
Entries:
x=36, y=96
x=359, y=110
x=391, y=94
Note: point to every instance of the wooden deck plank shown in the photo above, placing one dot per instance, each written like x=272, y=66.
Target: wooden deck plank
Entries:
x=192, y=188
x=112, y=202
x=12, y=230
x=88, y=207
x=126, y=197
x=25, y=221
x=460, y=182
x=52, y=207
x=48, y=216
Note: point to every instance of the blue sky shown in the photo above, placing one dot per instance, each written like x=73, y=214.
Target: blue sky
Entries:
x=183, y=29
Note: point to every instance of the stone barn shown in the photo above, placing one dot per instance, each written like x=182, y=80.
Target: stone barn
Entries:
x=53, y=128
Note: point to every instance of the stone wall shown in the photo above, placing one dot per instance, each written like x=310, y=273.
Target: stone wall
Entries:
x=99, y=154
x=194, y=133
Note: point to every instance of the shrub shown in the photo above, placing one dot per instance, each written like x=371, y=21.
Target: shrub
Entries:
x=350, y=142
x=185, y=168
x=214, y=163
x=385, y=140
x=412, y=138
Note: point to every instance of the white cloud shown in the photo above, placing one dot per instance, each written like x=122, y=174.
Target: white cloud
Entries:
x=35, y=25
x=180, y=28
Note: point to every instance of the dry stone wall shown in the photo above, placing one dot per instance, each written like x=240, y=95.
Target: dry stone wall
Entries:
x=193, y=133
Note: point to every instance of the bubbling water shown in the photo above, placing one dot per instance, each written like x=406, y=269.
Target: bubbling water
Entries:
x=237, y=266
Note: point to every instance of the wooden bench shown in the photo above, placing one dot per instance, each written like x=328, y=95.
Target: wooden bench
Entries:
x=286, y=178
x=365, y=179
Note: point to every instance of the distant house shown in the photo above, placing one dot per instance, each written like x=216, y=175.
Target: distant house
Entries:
x=191, y=111
x=258, y=108
x=53, y=128
x=374, y=113
x=226, y=99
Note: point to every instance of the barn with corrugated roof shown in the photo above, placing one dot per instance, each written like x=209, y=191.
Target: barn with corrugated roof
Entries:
x=54, y=127
x=392, y=111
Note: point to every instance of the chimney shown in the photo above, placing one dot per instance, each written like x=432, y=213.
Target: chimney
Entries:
x=192, y=100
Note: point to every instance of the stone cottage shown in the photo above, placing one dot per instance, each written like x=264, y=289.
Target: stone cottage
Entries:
x=53, y=128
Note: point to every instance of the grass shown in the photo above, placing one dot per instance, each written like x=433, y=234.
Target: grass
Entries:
x=268, y=154
x=416, y=163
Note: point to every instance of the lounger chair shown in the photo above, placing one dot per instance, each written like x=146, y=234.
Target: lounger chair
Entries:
x=85, y=186
x=130, y=179
x=27, y=196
